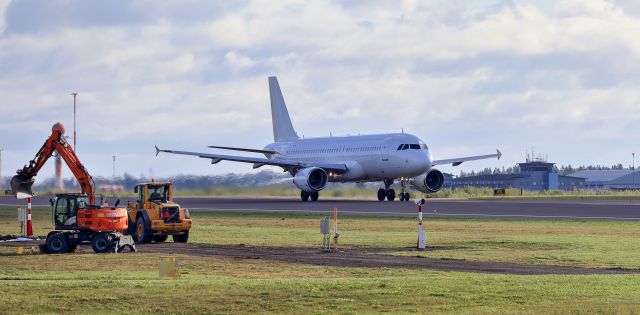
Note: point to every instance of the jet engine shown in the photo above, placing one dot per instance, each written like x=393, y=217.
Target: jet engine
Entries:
x=429, y=182
x=311, y=179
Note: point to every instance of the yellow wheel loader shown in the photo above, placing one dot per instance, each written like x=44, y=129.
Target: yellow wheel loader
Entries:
x=154, y=216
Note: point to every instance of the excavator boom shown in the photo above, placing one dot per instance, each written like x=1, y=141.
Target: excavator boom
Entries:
x=22, y=183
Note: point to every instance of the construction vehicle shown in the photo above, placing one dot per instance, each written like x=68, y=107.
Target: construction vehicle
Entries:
x=76, y=217
x=155, y=216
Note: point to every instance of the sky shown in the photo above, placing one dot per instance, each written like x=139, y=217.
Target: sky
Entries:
x=468, y=77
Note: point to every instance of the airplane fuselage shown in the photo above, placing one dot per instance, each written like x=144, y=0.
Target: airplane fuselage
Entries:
x=368, y=157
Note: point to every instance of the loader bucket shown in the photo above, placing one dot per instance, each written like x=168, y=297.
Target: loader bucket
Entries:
x=21, y=186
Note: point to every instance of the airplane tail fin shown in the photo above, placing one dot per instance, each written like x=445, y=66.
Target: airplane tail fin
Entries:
x=282, y=127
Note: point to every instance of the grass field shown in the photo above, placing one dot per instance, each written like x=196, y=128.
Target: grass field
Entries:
x=128, y=283
x=354, y=192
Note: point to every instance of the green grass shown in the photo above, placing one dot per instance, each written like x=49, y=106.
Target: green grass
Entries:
x=353, y=192
x=129, y=283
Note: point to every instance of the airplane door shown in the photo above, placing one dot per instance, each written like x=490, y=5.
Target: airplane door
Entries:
x=385, y=149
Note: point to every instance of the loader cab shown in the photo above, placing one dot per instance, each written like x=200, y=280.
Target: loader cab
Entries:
x=153, y=193
x=65, y=210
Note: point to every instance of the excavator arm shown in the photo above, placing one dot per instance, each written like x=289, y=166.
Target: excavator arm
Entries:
x=22, y=182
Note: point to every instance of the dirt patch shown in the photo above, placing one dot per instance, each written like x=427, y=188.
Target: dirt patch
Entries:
x=367, y=257
x=353, y=257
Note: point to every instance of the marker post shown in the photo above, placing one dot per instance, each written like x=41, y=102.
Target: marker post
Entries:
x=29, y=224
x=422, y=240
x=335, y=228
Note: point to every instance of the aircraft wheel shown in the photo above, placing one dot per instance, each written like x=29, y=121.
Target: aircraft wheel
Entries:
x=304, y=196
x=391, y=194
x=401, y=196
x=407, y=197
x=381, y=194
x=314, y=196
x=57, y=244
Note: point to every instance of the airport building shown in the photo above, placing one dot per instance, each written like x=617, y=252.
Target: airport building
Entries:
x=533, y=176
x=609, y=179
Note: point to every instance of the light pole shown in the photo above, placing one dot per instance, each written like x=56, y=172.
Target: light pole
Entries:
x=633, y=167
x=114, y=167
x=75, y=94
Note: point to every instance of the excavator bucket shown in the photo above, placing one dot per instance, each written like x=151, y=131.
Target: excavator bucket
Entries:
x=21, y=186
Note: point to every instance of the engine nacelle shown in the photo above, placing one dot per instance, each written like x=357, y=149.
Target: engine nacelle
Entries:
x=311, y=179
x=429, y=182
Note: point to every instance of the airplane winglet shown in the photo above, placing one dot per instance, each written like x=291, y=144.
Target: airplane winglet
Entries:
x=499, y=154
x=157, y=150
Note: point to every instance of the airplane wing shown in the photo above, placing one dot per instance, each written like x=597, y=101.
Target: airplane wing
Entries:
x=243, y=149
x=458, y=161
x=258, y=162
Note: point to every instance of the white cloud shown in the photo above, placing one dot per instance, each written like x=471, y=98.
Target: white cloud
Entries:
x=466, y=77
x=4, y=5
x=238, y=60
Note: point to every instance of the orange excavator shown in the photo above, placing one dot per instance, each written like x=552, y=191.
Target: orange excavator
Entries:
x=76, y=217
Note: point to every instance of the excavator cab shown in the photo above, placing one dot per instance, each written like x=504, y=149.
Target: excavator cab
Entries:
x=65, y=210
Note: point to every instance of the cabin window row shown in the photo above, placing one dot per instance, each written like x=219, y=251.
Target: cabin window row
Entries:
x=334, y=150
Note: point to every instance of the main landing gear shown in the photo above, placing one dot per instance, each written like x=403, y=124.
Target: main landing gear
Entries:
x=390, y=194
x=387, y=192
x=305, y=196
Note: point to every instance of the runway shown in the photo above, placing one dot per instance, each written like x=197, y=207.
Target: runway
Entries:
x=565, y=209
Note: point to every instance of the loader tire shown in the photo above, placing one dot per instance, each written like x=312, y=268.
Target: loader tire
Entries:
x=143, y=230
x=160, y=238
x=182, y=238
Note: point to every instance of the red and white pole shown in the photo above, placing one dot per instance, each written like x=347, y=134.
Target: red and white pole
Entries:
x=75, y=94
x=29, y=225
x=422, y=241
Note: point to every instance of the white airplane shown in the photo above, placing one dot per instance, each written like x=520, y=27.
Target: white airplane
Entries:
x=313, y=162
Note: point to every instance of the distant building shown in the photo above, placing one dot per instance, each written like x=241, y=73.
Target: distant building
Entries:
x=533, y=176
x=609, y=179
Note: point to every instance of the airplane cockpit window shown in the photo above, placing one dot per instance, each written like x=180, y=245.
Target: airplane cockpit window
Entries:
x=415, y=146
x=405, y=146
x=400, y=147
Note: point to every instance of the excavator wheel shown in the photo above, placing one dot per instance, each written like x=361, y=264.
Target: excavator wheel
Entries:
x=143, y=230
x=160, y=238
x=182, y=238
x=102, y=243
x=57, y=244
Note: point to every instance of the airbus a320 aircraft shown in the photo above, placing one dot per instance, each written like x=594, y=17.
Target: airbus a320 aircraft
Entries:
x=313, y=162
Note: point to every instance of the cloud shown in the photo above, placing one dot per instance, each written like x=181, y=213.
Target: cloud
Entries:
x=4, y=5
x=237, y=60
x=466, y=77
